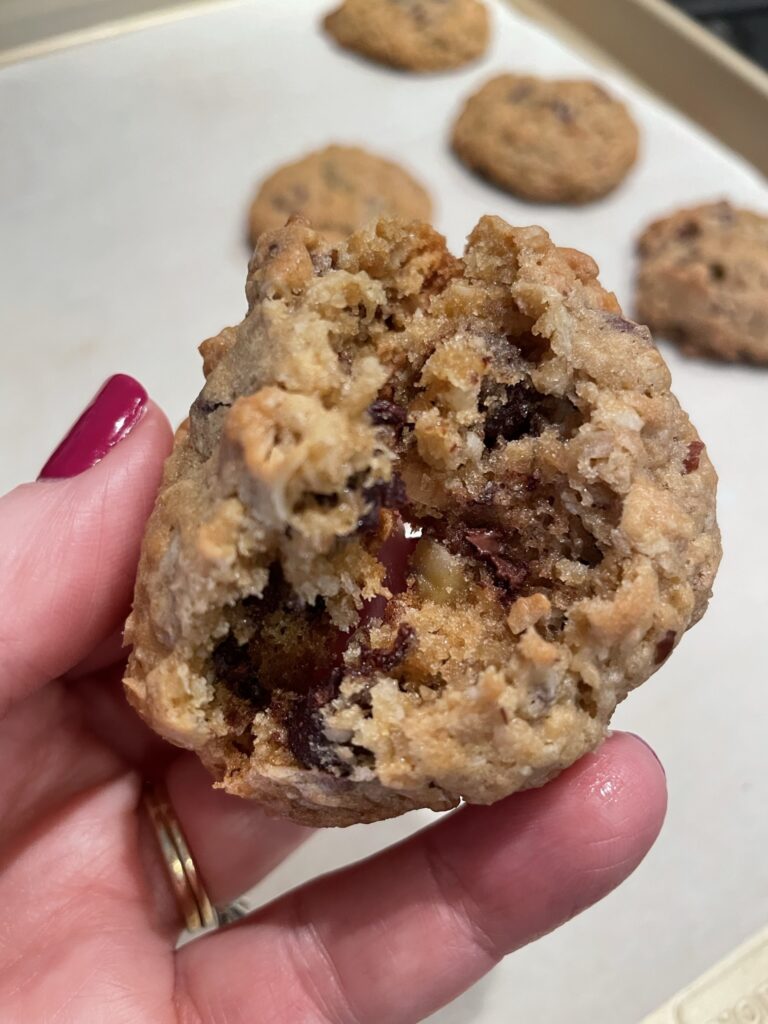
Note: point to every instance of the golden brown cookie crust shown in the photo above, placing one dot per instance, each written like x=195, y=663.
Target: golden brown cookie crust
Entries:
x=338, y=189
x=703, y=281
x=547, y=141
x=418, y=35
x=499, y=406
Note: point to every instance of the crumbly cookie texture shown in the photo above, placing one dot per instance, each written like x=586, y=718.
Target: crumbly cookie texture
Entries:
x=429, y=521
x=703, y=281
x=338, y=189
x=547, y=141
x=419, y=35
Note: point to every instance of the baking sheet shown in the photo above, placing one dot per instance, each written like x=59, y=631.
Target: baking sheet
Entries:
x=125, y=171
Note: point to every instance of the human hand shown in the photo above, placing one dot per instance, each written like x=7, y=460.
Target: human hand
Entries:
x=88, y=920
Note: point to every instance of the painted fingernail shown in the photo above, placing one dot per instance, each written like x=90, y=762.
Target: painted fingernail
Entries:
x=110, y=417
x=648, y=746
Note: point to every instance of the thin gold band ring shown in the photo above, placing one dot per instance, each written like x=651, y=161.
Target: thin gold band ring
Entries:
x=197, y=911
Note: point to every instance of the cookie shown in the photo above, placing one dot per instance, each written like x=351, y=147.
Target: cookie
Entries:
x=429, y=521
x=337, y=189
x=420, y=35
x=703, y=281
x=547, y=141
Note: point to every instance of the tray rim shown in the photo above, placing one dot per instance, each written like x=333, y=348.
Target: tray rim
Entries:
x=672, y=56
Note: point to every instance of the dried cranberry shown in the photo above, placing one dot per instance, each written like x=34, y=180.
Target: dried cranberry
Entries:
x=693, y=458
x=513, y=417
x=664, y=646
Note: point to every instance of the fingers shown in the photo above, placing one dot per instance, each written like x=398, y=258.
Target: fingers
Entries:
x=235, y=844
x=391, y=940
x=69, y=557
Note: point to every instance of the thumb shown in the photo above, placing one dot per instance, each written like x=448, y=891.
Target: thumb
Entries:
x=70, y=541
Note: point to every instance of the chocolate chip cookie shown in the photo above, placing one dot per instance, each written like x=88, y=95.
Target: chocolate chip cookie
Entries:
x=703, y=281
x=547, y=141
x=338, y=189
x=420, y=35
x=429, y=521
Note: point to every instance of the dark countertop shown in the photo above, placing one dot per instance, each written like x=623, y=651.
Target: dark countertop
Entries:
x=742, y=23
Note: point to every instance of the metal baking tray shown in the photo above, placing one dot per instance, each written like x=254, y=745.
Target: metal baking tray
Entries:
x=131, y=151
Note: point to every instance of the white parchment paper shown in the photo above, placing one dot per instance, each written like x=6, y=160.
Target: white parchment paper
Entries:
x=126, y=167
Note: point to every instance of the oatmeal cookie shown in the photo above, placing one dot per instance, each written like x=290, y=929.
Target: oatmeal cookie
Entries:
x=547, y=141
x=703, y=281
x=429, y=521
x=338, y=189
x=420, y=35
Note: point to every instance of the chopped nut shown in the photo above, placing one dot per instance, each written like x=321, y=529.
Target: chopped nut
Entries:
x=440, y=574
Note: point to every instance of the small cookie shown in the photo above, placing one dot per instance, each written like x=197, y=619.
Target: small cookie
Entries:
x=420, y=35
x=337, y=189
x=430, y=520
x=547, y=141
x=703, y=281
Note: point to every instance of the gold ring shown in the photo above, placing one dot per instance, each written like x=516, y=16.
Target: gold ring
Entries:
x=197, y=911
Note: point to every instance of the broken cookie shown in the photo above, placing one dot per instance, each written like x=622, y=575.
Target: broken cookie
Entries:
x=429, y=521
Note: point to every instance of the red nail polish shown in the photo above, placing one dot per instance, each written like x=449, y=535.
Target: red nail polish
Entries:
x=110, y=417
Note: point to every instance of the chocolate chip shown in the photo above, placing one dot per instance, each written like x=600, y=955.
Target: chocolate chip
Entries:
x=520, y=92
x=391, y=494
x=513, y=417
x=717, y=271
x=386, y=413
x=692, y=459
x=725, y=213
x=562, y=111
x=664, y=647
x=384, y=659
x=206, y=407
x=233, y=668
x=485, y=542
x=334, y=178
x=621, y=324
x=326, y=500
x=507, y=574
x=532, y=347
x=688, y=230
x=305, y=734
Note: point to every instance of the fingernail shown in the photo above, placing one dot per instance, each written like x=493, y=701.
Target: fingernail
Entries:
x=110, y=417
x=648, y=747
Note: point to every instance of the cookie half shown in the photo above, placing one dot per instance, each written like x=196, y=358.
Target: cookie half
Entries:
x=429, y=521
x=547, y=141
x=703, y=281
x=338, y=189
x=419, y=35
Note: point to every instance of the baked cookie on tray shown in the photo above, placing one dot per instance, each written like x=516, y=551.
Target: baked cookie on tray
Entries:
x=703, y=281
x=418, y=35
x=338, y=188
x=429, y=521
x=547, y=141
